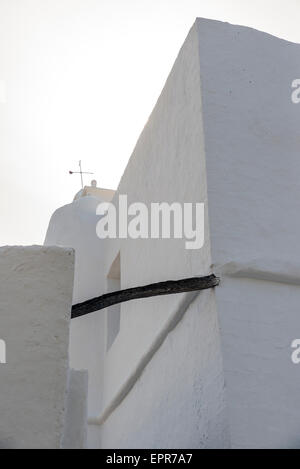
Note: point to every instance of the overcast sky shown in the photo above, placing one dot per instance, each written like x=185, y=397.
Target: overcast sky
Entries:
x=80, y=78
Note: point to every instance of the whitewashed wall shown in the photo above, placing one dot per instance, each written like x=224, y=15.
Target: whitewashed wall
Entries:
x=36, y=285
x=178, y=400
x=251, y=170
x=252, y=136
x=167, y=165
x=163, y=388
x=259, y=320
x=225, y=132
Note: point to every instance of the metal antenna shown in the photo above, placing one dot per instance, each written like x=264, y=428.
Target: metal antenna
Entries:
x=81, y=173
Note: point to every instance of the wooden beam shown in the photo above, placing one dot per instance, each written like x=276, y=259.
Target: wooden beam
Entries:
x=155, y=289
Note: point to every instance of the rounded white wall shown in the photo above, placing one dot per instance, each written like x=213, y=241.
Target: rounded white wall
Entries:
x=74, y=225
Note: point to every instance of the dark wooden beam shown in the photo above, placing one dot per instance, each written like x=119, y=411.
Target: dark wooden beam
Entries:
x=155, y=289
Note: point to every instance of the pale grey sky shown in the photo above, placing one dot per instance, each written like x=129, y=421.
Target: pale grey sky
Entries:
x=81, y=78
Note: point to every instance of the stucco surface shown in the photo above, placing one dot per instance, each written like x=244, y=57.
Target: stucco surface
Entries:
x=259, y=319
x=178, y=402
x=167, y=165
x=36, y=285
x=252, y=137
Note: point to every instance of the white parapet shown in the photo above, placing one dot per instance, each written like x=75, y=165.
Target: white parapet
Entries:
x=36, y=285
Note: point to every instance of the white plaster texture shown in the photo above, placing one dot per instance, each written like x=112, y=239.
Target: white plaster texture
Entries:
x=259, y=319
x=240, y=145
x=36, y=285
x=167, y=165
x=252, y=139
x=178, y=401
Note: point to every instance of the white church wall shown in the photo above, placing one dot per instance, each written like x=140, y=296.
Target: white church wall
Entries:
x=252, y=139
x=224, y=132
x=178, y=401
x=167, y=165
x=259, y=321
x=36, y=285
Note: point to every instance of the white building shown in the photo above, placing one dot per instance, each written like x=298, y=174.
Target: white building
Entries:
x=211, y=369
